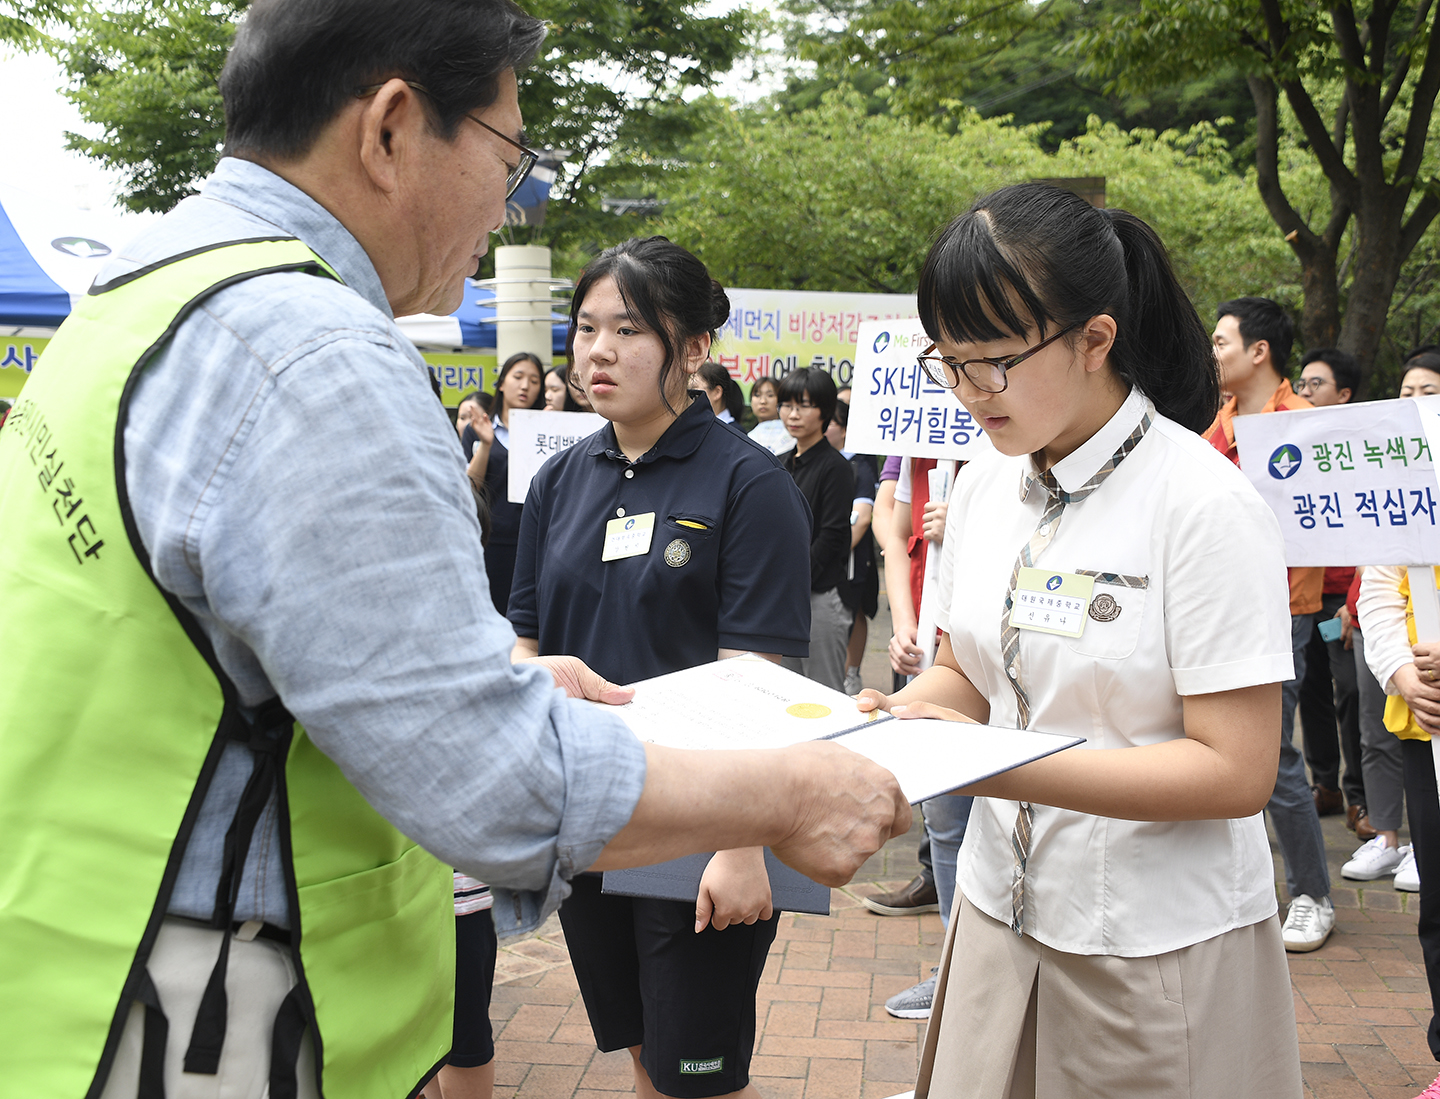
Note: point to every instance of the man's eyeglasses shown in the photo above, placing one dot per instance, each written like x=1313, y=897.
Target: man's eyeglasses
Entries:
x=1311, y=385
x=986, y=375
x=517, y=175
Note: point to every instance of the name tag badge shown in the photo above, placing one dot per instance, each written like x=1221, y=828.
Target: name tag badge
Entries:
x=1051, y=602
x=628, y=536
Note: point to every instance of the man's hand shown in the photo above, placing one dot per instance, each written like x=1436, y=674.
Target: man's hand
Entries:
x=1347, y=627
x=846, y=808
x=574, y=677
x=734, y=889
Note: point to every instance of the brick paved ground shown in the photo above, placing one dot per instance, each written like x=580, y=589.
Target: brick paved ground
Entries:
x=1361, y=1002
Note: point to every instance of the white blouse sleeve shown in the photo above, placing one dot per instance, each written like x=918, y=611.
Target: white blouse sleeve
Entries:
x=1382, y=621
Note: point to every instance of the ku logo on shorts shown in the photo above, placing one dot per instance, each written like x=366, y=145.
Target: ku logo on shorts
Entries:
x=702, y=1068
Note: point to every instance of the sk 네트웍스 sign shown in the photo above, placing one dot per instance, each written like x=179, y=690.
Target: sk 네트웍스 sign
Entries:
x=895, y=408
x=1350, y=484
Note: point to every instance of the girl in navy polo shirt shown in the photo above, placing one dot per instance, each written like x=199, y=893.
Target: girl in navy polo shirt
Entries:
x=665, y=540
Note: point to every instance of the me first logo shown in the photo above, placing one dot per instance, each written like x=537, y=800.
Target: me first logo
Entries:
x=1053, y=583
x=1285, y=462
x=882, y=341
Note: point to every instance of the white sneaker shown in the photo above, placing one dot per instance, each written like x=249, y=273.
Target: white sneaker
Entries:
x=1308, y=925
x=1407, y=874
x=853, y=683
x=1373, y=860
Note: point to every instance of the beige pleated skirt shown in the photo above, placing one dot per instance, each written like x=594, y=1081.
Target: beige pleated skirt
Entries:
x=1014, y=1019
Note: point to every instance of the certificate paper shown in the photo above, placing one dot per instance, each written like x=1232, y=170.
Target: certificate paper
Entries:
x=748, y=702
x=744, y=702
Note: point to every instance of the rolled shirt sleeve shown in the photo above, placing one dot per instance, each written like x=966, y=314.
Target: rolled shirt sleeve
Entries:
x=332, y=553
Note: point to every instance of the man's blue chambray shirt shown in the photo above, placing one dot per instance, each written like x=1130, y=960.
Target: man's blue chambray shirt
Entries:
x=302, y=492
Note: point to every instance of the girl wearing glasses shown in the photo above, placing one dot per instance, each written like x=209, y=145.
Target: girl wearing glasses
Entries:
x=665, y=540
x=1106, y=574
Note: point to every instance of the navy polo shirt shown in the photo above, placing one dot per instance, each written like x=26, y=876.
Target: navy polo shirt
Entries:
x=728, y=565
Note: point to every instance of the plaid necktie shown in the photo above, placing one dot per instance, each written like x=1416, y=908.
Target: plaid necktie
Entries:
x=1056, y=500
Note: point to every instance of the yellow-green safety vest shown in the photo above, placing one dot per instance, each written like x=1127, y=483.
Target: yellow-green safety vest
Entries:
x=113, y=716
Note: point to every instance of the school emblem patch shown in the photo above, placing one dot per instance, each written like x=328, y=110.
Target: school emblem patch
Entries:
x=677, y=553
x=1103, y=608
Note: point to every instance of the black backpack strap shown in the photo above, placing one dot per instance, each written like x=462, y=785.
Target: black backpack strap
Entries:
x=157, y=1034
x=268, y=737
x=285, y=1042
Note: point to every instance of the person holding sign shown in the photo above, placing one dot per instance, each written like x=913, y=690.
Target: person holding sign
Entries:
x=661, y=542
x=1105, y=573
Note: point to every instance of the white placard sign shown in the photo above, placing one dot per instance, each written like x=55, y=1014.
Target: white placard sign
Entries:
x=895, y=408
x=1350, y=484
x=537, y=435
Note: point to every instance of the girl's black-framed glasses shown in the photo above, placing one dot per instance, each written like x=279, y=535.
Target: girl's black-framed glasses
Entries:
x=516, y=175
x=986, y=375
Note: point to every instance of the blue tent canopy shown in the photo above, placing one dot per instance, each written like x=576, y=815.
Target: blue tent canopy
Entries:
x=28, y=296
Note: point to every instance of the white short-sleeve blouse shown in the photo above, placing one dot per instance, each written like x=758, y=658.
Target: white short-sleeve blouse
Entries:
x=1194, y=561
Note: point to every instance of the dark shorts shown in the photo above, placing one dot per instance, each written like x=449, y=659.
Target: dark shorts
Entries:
x=688, y=1000
x=474, y=1042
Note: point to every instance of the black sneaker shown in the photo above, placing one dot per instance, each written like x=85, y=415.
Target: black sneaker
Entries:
x=909, y=900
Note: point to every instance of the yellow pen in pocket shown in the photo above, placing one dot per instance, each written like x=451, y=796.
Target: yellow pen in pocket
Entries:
x=691, y=524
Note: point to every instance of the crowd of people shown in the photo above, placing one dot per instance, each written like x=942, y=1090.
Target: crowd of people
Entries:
x=311, y=811
x=637, y=997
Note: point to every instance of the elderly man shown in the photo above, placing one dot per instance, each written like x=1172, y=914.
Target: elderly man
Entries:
x=198, y=895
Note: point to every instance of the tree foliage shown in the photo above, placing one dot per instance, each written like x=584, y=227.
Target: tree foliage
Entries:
x=616, y=85
x=838, y=199
x=146, y=74
x=23, y=22
x=922, y=59
x=1349, y=90
x=620, y=86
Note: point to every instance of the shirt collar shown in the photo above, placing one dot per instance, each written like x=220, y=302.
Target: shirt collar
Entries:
x=261, y=193
x=809, y=456
x=1074, y=470
x=681, y=439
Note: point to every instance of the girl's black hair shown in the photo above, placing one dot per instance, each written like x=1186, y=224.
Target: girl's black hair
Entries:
x=1035, y=258
x=563, y=374
x=812, y=383
x=665, y=289
x=1423, y=360
x=713, y=374
x=498, y=408
x=773, y=383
